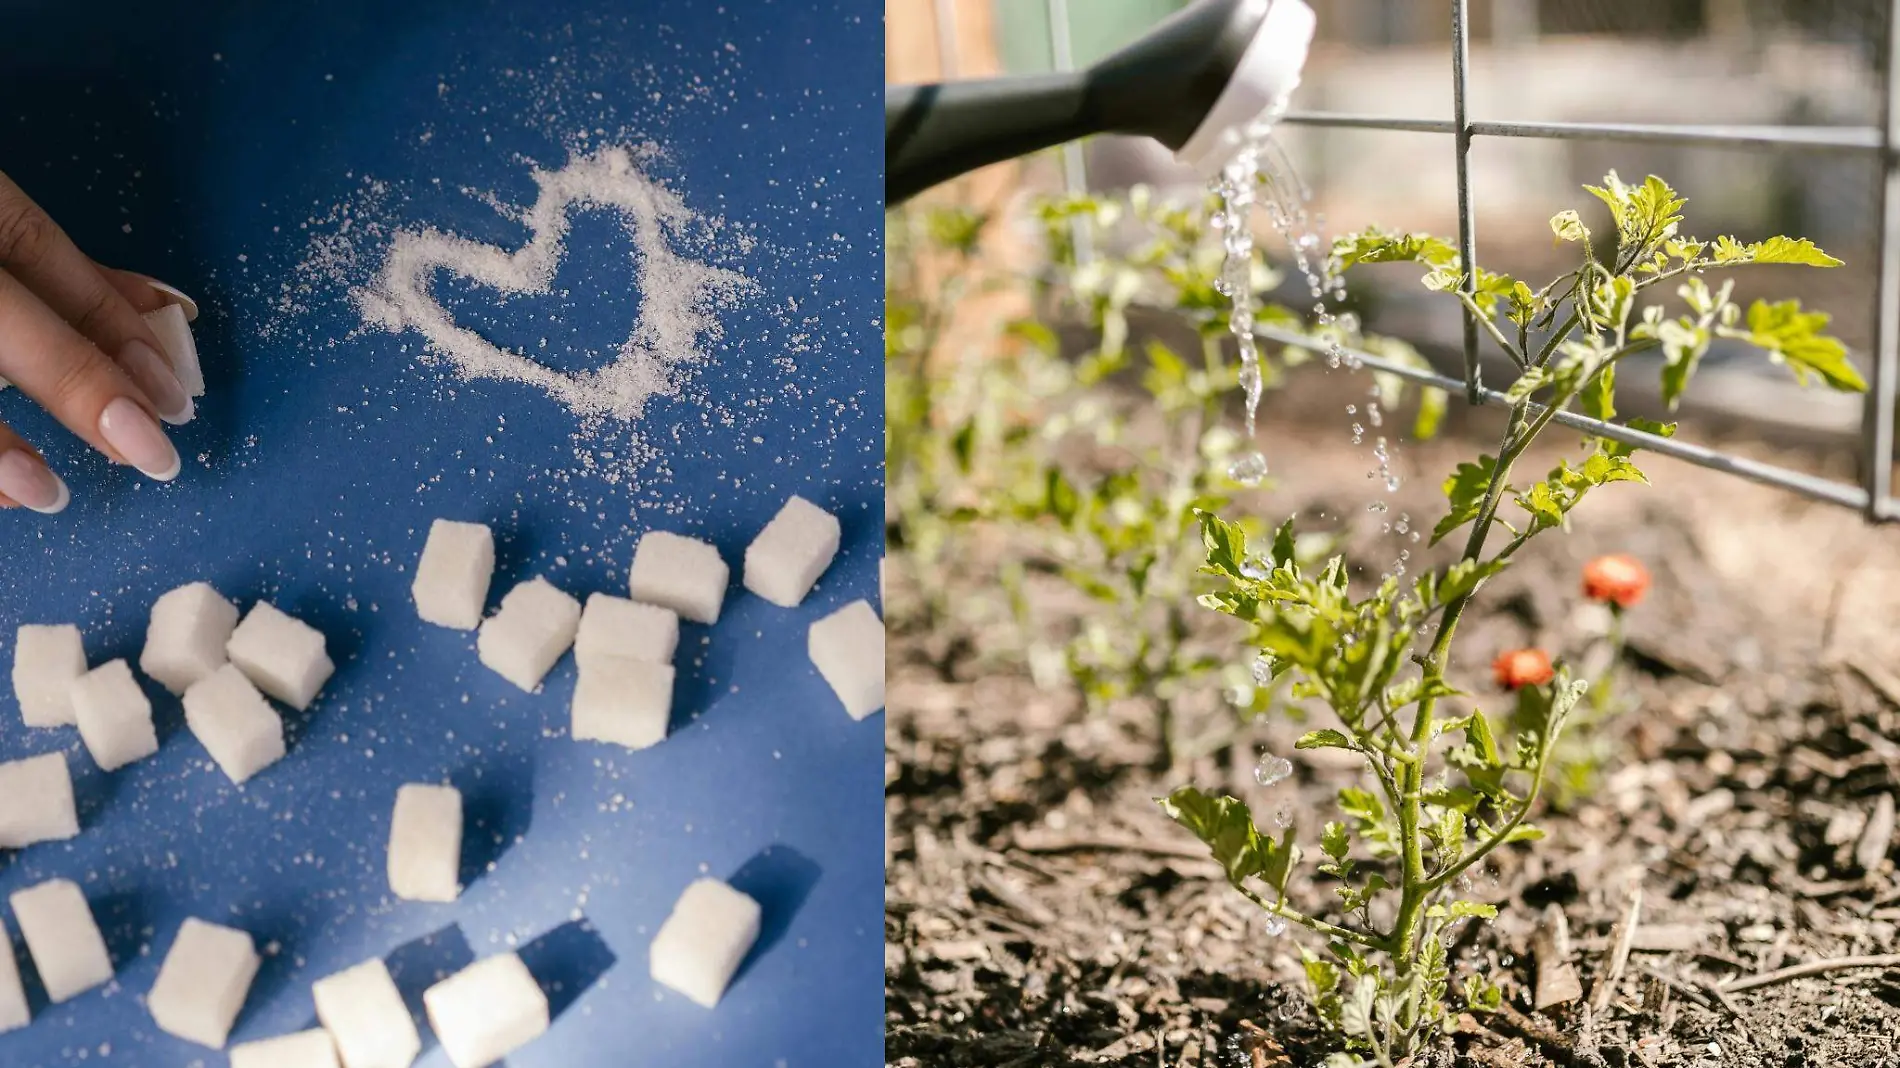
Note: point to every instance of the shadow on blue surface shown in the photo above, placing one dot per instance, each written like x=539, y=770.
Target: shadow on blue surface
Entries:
x=281, y=927
x=123, y=919
x=420, y=964
x=566, y=962
x=779, y=878
x=497, y=810
x=93, y=790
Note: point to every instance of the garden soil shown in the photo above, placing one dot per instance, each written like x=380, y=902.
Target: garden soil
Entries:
x=1042, y=911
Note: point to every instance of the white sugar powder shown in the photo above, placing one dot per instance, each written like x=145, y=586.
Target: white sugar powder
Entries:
x=679, y=296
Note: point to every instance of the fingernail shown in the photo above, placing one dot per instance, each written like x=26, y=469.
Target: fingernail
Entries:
x=154, y=375
x=127, y=428
x=27, y=480
x=178, y=296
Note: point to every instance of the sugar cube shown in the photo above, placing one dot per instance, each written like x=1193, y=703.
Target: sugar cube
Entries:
x=617, y=627
x=534, y=626
x=185, y=640
x=234, y=722
x=623, y=701
x=425, y=843
x=46, y=660
x=791, y=552
x=452, y=577
x=203, y=982
x=848, y=648
x=284, y=656
x=115, y=717
x=15, y=1013
x=66, y=945
x=39, y=801
x=305, y=1049
x=681, y=573
x=174, y=336
x=487, y=1011
x=701, y=944
x=364, y=1013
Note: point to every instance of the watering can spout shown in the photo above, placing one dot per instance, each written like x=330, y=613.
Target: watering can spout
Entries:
x=1193, y=83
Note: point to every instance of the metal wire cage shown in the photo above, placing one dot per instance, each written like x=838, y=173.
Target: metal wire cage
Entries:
x=1873, y=497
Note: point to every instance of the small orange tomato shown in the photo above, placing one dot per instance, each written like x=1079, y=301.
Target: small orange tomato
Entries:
x=1619, y=579
x=1522, y=667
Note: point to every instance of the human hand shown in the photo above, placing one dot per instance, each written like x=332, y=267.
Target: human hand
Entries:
x=72, y=338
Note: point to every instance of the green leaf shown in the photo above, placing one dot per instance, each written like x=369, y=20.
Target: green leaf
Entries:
x=1791, y=250
x=1460, y=909
x=1482, y=995
x=1374, y=245
x=1334, y=842
x=1524, y=832
x=1432, y=403
x=1226, y=825
x=1532, y=380
x=1647, y=426
x=1792, y=336
x=1465, y=490
x=1568, y=226
x=1059, y=496
x=1326, y=738
x=1285, y=545
x=1464, y=576
x=1226, y=545
x=1599, y=395
x=1368, y=816
x=1684, y=341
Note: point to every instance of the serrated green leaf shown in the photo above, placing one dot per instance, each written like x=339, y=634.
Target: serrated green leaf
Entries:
x=1568, y=226
x=1326, y=738
x=1458, y=910
x=1532, y=380
x=1464, y=491
x=1285, y=545
x=1369, y=820
x=1226, y=825
x=1791, y=250
x=1225, y=543
x=1334, y=842
x=1599, y=395
x=1792, y=336
x=1374, y=245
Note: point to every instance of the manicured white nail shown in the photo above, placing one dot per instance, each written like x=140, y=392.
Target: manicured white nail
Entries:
x=139, y=438
x=153, y=374
x=26, y=479
x=178, y=296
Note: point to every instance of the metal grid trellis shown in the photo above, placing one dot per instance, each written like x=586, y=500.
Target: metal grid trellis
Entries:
x=1874, y=496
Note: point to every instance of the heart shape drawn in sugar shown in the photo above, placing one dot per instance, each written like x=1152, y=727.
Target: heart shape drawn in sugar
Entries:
x=679, y=296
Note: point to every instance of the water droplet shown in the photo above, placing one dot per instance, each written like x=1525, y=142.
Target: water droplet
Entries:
x=1283, y=816
x=1275, y=926
x=1272, y=769
x=1262, y=669
x=1254, y=568
x=1249, y=469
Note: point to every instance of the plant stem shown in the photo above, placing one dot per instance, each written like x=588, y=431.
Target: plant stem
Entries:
x=1279, y=908
x=1415, y=891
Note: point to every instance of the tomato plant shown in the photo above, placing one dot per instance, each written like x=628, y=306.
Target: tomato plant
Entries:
x=1447, y=786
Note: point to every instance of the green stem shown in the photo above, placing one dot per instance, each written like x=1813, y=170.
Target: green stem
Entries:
x=1330, y=930
x=1491, y=327
x=1415, y=890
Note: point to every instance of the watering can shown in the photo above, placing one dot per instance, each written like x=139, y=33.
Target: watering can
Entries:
x=1193, y=83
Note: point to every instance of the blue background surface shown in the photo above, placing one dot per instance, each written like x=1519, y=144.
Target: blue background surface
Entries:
x=205, y=144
